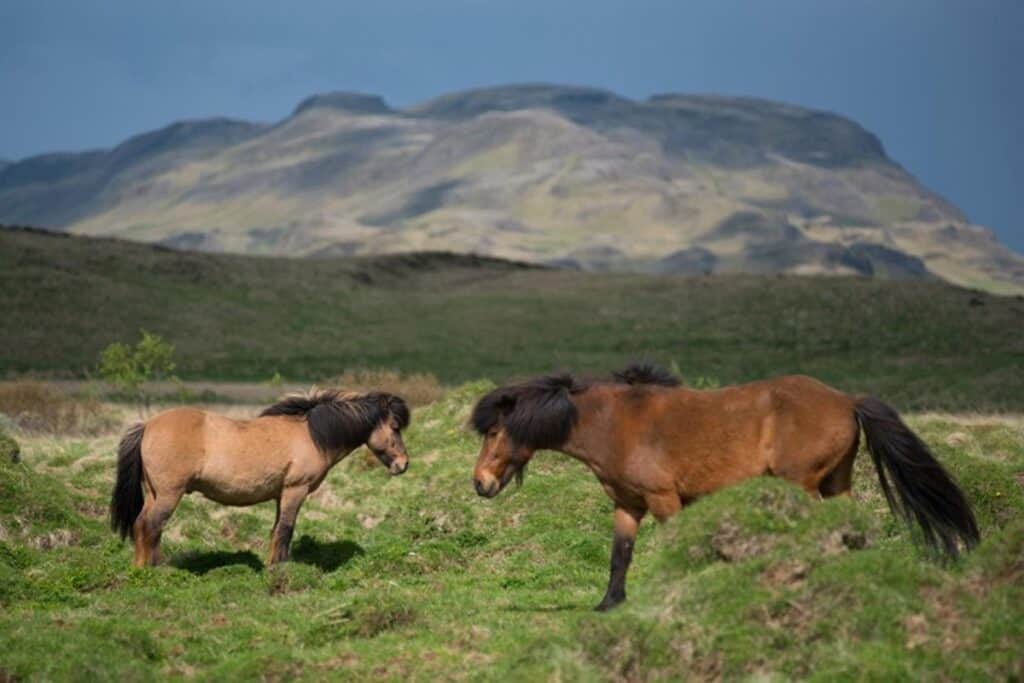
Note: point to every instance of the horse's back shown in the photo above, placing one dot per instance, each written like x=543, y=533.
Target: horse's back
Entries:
x=777, y=426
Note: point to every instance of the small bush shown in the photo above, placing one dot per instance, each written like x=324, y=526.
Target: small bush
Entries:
x=129, y=368
x=42, y=408
x=417, y=389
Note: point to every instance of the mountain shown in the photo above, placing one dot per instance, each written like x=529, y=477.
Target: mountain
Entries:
x=572, y=176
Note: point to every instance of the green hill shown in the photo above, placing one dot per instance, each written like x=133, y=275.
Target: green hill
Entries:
x=919, y=343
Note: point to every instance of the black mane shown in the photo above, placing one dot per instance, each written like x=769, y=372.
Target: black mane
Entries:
x=341, y=420
x=538, y=413
x=646, y=373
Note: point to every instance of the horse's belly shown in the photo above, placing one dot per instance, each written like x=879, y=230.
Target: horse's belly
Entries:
x=238, y=487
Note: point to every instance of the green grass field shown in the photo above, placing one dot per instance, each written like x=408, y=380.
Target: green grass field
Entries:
x=918, y=344
x=416, y=578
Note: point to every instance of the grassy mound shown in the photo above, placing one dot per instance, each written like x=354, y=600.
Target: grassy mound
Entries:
x=760, y=580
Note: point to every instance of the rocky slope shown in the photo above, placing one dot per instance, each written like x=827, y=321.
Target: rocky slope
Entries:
x=573, y=176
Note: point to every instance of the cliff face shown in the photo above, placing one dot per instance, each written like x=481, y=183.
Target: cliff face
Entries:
x=575, y=176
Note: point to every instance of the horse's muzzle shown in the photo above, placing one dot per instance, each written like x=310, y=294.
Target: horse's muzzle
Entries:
x=489, y=490
x=398, y=467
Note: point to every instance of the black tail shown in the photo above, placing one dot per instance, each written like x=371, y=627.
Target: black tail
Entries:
x=126, y=500
x=924, y=491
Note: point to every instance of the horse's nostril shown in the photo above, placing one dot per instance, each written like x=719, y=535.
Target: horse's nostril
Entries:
x=479, y=486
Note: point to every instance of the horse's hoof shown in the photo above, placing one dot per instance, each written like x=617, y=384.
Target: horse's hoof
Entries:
x=608, y=604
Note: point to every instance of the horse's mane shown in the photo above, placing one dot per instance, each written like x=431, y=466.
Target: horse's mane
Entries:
x=339, y=419
x=537, y=413
x=646, y=374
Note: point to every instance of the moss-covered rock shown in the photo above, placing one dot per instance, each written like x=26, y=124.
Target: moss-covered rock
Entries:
x=10, y=451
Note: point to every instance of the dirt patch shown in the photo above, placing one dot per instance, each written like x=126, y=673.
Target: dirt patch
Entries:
x=842, y=540
x=957, y=439
x=943, y=623
x=788, y=574
x=732, y=545
x=61, y=538
x=326, y=497
x=369, y=521
x=917, y=630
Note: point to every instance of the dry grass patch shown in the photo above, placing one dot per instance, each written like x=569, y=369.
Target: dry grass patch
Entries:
x=418, y=388
x=37, y=407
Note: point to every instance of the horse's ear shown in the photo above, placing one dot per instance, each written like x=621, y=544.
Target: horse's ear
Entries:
x=506, y=404
x=492, y=407
x=399, y=409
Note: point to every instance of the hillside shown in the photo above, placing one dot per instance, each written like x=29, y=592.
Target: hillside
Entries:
x=575, y=176
x=920, y=343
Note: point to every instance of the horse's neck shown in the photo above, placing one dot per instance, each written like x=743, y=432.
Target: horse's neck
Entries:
x=337, y=456
x=591, y=438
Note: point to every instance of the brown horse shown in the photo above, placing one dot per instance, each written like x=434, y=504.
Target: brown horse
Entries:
x=282, y=455
x=656, y=446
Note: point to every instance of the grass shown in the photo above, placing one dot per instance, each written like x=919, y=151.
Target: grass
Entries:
x=416, y=578
x=919, y=344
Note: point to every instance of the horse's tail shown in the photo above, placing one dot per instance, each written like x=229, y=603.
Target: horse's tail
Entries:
x=126, y=500
x=924, y=491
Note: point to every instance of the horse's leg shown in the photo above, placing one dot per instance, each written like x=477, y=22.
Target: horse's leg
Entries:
x=626, y=524
x=839, y=480
x=288, y=505
x=139, y=529
x=149, y=526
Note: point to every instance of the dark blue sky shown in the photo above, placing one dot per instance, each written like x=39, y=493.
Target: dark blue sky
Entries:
x=939, y=82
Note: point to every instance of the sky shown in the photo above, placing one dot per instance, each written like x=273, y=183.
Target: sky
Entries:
x=939, y=81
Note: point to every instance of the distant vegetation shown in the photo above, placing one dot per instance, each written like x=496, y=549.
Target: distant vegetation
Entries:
x=918, y=344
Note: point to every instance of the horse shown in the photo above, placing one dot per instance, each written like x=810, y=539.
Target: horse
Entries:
x=282, y=455
x=655, y=446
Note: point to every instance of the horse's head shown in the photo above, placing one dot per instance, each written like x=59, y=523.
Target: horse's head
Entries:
x=501, y=459
x=517, y=421
x=385, y=439
x=341, y=421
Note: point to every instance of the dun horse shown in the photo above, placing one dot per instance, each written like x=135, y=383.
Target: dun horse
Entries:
x=655, y=446
x=282, y=455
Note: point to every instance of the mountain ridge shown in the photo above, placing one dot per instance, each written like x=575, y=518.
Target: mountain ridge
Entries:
x=568, y=175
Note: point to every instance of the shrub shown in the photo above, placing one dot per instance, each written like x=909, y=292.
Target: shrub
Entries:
x=128, y=368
